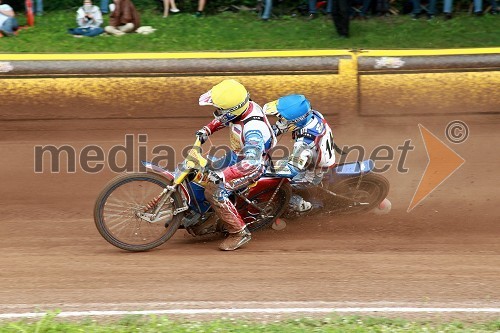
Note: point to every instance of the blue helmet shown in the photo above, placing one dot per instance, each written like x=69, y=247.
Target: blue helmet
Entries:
x=294, y=111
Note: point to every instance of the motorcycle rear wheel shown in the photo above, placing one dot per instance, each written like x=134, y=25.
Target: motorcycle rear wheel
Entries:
x=116, y=207
x=370, y=189
x=275, y=208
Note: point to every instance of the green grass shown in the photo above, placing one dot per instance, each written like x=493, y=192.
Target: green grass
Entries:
x=163, y=324
x=244, y=31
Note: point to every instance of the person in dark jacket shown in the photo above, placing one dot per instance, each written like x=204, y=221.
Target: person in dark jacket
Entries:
x=340, y=16
x=123, y=19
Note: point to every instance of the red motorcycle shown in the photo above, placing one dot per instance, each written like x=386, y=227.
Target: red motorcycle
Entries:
x=138, y=212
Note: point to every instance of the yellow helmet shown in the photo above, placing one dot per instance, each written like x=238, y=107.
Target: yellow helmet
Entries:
x=229, y=97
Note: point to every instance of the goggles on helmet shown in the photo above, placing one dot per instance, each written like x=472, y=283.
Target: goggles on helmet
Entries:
x=292, y=124
x=226, y=115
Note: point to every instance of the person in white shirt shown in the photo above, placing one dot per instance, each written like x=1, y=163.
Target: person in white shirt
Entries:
x=89, y=20
x=8, y=22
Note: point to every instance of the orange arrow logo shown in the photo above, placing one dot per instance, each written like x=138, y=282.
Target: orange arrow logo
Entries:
x=443, y=162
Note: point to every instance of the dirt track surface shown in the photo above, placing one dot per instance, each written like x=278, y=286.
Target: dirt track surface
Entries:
x=444, y=253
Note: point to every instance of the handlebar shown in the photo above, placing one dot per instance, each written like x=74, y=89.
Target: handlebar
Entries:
x=194, y=160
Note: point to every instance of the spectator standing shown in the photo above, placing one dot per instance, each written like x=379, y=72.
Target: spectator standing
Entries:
x=494, y=7
x=104, y=6
x=8, y=21
x=123, y=19
x=201, y=8
x=313, y=8
x=89, y=20
x=431, y=9
x=268, y=9
x=364, y=9
x=169, y=6
x=39, y=7
x=382, y=7
x=363, y=12
x=340, y=16
x=448, y=4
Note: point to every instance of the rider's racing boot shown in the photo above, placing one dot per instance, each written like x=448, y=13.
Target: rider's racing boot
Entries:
x=235, y=240
x=298, y=204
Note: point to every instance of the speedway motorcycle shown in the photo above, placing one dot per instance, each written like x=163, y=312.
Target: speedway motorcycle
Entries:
x=140, y=211
x=346, y=188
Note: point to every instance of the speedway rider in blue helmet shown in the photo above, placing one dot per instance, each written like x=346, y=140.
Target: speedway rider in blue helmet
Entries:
x=313, y=149
x=251, y=137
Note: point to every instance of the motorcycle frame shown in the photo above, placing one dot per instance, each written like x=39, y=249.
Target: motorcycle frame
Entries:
x=193, y=201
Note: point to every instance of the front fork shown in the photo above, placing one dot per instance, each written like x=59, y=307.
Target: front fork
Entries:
x=157, y=215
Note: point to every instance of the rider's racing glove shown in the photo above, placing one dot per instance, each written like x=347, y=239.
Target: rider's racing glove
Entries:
x=302, y=156
x=276, y=130
x=202, y=134
x=215, y=177
x=279, y=128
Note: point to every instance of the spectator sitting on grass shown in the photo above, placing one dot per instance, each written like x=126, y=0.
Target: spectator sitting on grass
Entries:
x=123, y=19
x=8, y=22
x=89, y=19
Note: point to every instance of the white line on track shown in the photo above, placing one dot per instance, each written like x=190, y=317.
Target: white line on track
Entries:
x=218, y=311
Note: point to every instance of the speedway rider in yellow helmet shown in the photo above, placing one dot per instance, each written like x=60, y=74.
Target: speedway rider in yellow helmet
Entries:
x=313, y=148
x=251, y=137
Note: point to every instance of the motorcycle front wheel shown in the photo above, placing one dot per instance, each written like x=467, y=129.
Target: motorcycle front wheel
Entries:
x=118, y=205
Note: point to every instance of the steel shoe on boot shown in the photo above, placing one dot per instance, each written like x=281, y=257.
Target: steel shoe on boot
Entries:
x=298, y=204
x=234, y=241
